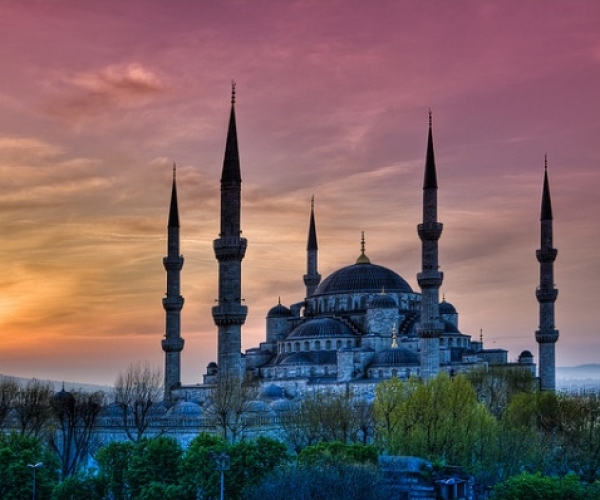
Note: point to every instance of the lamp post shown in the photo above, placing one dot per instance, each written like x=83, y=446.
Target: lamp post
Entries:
x=33, y=469
x=222, y=463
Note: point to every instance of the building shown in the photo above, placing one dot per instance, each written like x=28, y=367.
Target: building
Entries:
x=356, y=327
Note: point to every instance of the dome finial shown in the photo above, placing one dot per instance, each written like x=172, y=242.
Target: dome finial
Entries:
x=174, y=170
x=481, y=335
x=312, y=202
x=362, y=258
x=545, y=161
x=232, y=92
x=394, y=337
x=430, y=118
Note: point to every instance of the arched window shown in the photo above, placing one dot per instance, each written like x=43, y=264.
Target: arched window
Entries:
x=349, y=344
x=317, y=345
x=328, y=344
x=338, y=344
x=306, y=346
x=297, y=346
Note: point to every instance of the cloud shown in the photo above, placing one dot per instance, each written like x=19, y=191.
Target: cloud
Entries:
x=95, y=92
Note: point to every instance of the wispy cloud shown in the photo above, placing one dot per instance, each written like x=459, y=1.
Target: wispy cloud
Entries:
x=86, y=94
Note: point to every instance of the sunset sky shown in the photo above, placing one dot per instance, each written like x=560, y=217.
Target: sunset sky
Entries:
x=97, y=99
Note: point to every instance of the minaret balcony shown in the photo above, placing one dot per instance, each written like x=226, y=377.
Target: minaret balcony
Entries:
x=173, y=303
x=174, y=344
x=173, y=263
x=546, y=337
x=229, y=314
x=546, y=254
x=430, y=231
x=230, y=248
x=430, y=279
x=544, y=295
x=430, y=329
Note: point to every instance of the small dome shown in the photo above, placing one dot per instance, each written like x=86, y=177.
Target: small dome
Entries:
x=320, y=328
x=272, y=391
x=279, y=311
x=525, y=357
x=383, y=301
x=63, y=397
x=395, y=356
x=363, y=278
x=258, y=407
x=281, y=405
x=113, y=410
x=185, y=409
x=446, y=308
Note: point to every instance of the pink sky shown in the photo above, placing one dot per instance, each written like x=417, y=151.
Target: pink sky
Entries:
x=98, y=98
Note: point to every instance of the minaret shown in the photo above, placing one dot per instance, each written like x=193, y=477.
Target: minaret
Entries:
x=312, y=278
x=229, y=315
x=546, y=294
x=430, y=278
x=172, y=343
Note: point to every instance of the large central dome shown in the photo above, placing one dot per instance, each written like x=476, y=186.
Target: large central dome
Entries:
x=363, y=277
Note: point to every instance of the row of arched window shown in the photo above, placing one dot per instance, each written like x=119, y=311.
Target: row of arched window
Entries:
x=314, y=345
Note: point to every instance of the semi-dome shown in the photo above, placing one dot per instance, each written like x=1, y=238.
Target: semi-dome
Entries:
x=446, y=308
x=273, y=391
x=279, y=311
x=320, y=328
x=363, y=277
x=395, y=356
x=185, y=409
x=383, y=301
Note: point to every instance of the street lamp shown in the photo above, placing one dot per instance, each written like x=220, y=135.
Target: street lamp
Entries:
x=33, y=469
x=222, y=463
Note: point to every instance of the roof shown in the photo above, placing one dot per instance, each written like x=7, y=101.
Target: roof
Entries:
x=363, y=278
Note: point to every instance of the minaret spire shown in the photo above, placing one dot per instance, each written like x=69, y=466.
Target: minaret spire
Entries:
x=230, y=248
x=172, y=343
x=430, y=278
x=312, y=278
x=546, y=293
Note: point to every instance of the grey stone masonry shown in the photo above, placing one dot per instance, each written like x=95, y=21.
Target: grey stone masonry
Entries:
x=172, y=343
x=230, y=248
x=546, y=293
x=312, y=278
x=430, y=278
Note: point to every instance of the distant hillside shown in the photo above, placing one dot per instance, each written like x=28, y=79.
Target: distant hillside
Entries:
x=69, y=386
x=579, y=378
x=590, y=370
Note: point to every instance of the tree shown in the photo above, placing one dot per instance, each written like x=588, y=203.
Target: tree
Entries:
x=338, y=453
x=113, y=461
x=155, y=460
x=9, y=391
x=16, y=453
x=138, y=392
x=538, y=487
x=75, y=416
x=250, y=462
x=330, y=482
x=32, y=407
x=84, y=486
x=390, y=399
x=439, y=420
x=231, y=401
x=327, y=416
x=497, y=385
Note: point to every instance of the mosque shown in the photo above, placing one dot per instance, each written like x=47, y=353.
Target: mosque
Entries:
x=356, y=327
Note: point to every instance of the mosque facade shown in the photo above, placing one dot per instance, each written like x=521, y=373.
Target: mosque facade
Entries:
x=354, y=328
